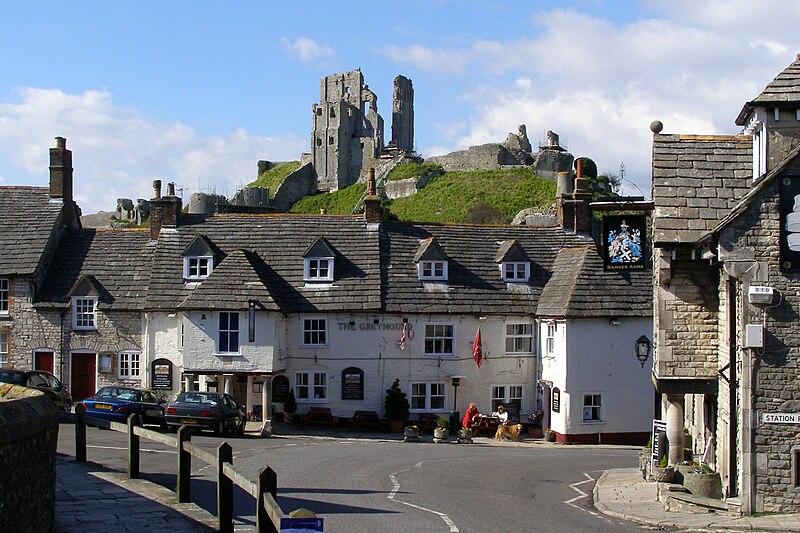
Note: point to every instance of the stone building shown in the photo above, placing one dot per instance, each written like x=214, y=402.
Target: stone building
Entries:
x=726, y=338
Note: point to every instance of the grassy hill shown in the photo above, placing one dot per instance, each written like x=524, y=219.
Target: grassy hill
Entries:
x=481, y=196
x=273, y=177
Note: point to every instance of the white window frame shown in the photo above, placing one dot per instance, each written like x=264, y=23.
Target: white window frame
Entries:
x=315, y=331
x=550, y=339
x=516, y=271
x=318, y=269
x=311, y=386
x=229, y=331
x=435, y=270
x=197, y=267
x=5, y=296
x=438, y=338
x=130, y=366
x=595, y=405
x=506, y=394
x=515, y=337
x=425, y=393
x=84, y=313
x=3, y=348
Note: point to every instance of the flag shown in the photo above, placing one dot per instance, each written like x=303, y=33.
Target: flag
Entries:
x=477, y=353
x=402, y=342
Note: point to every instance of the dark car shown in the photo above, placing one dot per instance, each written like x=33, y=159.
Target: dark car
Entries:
x=117, y=403
x=206, y=410
x=41, y=381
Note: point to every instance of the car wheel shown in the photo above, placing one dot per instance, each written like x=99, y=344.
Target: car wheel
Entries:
x=220, y=428
x=240, y=429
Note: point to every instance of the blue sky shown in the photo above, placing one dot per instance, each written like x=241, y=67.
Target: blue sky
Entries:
x=197, y=92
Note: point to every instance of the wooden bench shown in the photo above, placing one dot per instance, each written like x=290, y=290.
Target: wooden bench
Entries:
x=320, y=416
x=486, y=424
x=367, y=420
x=427, y=422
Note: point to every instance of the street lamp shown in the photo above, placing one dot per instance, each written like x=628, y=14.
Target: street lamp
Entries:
x=642, y=349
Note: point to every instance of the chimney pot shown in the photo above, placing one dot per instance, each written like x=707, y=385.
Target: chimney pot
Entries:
x=61, y=142
x=171, y=189
x=157, y=189
x=579, y=168
x=798, y=57
x=371, y=189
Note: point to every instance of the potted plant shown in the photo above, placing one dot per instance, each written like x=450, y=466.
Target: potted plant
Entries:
x=442, y=431
x=663, y=473
x=703, y=481
x=410, y=433
x=549, y=435
x=289, y=407
x=396, y=407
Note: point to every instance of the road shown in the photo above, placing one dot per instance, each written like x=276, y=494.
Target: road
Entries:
x=383, y=485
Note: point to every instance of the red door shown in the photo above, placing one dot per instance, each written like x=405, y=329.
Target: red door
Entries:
x=43, y=361
x=84, y=374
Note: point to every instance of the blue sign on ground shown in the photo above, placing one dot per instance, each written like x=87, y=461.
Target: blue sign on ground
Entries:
x=301, y=525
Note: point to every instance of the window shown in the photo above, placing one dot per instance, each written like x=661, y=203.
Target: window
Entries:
x=3, y=349
x=315, y=332
x=318, y=269
x=592, y=408
x=228, y=332
x=428, y=396
x=432, y=270
x=197, y=268
x=84, y=313
x=311, y=387
x=516, y=272
x=550, y=341
x=507, y=394
x=130, y=365
x=3, y=296
x=519, y=338
x=438, y=339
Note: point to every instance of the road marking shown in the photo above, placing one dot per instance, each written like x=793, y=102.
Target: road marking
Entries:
x=396, y=487
x=581, y=494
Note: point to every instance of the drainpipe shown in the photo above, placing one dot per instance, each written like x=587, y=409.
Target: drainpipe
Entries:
x=61, y=346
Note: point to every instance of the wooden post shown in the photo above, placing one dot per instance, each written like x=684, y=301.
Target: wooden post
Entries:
x=224, y=490
x=184, y=466
x=133, y=448
x=267, y=482
x=80, y=432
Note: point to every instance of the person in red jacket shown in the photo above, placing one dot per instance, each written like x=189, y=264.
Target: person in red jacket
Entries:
x=470, y=415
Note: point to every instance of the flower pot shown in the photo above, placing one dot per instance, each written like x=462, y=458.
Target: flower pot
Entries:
x=704, y=484
x=411, y=432
x=395, y=426
x=440, y=434
x=663, y=474
x=550, y=436
x=535, y=432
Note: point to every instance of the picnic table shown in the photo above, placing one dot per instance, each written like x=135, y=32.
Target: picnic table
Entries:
x=366, y=420
x=427, y=421
x=320, y=416
x=484, y=423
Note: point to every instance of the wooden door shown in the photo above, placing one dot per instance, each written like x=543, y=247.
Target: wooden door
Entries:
x=43, y=361
x=83, y=375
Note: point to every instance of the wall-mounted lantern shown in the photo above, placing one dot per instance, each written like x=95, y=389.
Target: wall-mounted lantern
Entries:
x=642, y=349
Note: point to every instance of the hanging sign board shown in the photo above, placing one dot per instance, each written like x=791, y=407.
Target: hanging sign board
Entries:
x=790, y=224
x=556, y=400
x=623, y=248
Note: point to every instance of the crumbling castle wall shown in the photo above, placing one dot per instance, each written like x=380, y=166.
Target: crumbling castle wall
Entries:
x=403, y=114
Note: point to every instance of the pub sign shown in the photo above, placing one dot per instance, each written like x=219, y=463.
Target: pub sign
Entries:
x=790, y=224
x=623, y=248
x=162, y=374
x=280, y=389
x=352, y=384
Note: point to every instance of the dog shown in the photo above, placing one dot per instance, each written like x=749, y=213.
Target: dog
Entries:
x=508, y=431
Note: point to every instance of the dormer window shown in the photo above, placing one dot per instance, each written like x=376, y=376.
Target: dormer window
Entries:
x=318, y=261
x=432, y=270
x=84, y=313
x=516, y=272
x=197, y=268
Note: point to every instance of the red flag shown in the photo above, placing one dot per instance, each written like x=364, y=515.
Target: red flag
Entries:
x=477, y=353
x=402, y=342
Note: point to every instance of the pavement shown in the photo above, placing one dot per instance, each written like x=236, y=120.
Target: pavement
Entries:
x=92, y=498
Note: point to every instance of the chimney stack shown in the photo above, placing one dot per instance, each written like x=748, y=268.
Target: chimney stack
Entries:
x=165, y=212
x=582, y=196
x=61, y=182
x=372, y=202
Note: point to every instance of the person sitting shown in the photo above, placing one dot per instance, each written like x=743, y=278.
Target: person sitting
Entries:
x=470, y=416
x=501, y=415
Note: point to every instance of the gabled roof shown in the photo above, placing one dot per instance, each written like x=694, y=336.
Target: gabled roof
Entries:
x=784, y=89
x=697, y=179
x=510, y=251
x=581, y=288
x=201, y=246
x=320, y=247
x=429, y=250
x=29, y=224
x=87, y=285
x=241, y=277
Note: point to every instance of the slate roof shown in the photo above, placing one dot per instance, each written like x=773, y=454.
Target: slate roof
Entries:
x=581, y=288
x=279, y=242
x=28, y=222
x=117, y=261
x=474, y=282
x=784, y=89
x=697, y=179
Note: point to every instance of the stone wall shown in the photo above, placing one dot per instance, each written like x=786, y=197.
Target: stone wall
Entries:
x=28, y=441
x=295, y=186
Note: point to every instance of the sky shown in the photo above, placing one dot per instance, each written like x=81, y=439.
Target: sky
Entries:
x=198, y=92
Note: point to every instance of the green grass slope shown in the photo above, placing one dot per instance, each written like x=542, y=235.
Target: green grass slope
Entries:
x=273, y=177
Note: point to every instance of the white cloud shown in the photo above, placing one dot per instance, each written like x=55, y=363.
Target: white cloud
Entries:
x=306, y=49
x=117, y=152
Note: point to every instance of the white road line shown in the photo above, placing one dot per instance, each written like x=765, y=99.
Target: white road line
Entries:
x=444, y=517
x=581, y=494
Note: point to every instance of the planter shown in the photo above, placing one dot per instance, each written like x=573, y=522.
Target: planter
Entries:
x=411, y=433
x=440, y=434
x=396, y=426
x=708, y=485
x=663, y=474
x=682, y=472
x=535, y=432
x=550, y=436
x=465, y=436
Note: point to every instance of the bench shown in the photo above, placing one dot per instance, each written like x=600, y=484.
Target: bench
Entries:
x=427, y=421
x=320, y=416
x=487, y=424
x=367, y=420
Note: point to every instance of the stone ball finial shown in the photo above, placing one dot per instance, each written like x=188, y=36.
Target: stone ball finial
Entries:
x=656, y=126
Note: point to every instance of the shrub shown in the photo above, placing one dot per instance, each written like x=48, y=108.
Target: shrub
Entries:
x=396, y=405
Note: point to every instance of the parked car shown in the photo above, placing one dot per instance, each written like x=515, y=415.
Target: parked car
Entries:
x=41, y=381
x=117, y=403
x=216, y=411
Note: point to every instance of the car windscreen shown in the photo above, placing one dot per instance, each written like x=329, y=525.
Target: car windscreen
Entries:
x=17, y=378
x=116, y=393
x=199, y=397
